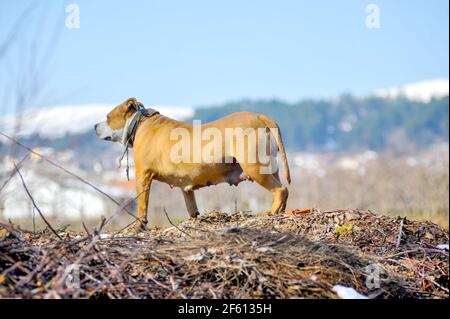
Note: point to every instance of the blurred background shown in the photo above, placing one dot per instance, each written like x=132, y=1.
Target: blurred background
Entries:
x=359, y=89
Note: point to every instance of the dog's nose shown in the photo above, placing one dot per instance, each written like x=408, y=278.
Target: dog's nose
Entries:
x=95, y=127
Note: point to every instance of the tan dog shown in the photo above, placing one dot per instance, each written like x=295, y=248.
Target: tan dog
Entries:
x=154, y=148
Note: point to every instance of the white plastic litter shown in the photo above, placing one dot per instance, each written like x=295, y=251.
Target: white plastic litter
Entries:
x=347, y=292
x=442, y=246
x=264, y=249
x=196, y=257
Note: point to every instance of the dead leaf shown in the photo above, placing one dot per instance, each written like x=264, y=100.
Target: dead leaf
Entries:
x=3, y=233
x=299, y=211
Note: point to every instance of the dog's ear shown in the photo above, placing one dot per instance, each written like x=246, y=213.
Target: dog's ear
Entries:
x=132, y=104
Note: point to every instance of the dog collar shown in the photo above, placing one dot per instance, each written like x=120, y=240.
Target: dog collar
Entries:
x=132, y=124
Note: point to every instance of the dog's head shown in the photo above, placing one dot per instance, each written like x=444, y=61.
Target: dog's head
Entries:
x=113, y=128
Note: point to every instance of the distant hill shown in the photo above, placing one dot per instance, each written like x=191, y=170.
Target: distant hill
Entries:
x=405, y=117
x=348, y=122
x=57, y=121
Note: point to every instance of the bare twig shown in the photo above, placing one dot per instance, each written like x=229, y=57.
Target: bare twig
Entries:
x=123, y=206
x=419, y=273
x=34, y=220
x=12, y=34
x=67, y=171
x=171, y=223
x=400, y=232
x=34, y=204
x=13, y=172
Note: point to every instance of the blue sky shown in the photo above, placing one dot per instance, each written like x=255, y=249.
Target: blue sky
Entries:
x=198, y=53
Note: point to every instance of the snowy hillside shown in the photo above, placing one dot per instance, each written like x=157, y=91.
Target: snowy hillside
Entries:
x=422, y=91
x=53, y=122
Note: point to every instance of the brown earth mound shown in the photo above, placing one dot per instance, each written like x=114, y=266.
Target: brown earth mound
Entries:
x=300, y=255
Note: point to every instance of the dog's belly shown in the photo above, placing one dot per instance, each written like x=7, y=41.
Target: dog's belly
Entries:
x=206, y=175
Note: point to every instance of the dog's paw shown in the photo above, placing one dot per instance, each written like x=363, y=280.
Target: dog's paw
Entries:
x=268, y=213
x=194, y=215
x=139, y=227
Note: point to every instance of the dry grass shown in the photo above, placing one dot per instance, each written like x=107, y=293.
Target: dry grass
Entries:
x=232, y=256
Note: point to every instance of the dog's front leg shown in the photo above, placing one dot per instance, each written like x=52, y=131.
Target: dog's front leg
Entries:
x=143, y=184
x=191, y=204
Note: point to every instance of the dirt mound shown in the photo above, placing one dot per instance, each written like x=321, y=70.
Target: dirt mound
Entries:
x=301, y=255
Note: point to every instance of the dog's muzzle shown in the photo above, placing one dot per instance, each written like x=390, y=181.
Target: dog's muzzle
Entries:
x=101, y=132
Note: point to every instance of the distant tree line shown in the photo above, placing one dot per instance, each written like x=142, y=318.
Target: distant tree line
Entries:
x=344, y=124
x=348, y=123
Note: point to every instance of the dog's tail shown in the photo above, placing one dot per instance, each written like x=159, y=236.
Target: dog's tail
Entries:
x=272, y=124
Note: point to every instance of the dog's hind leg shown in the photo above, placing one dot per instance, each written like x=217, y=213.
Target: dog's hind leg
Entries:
x=272, y=183
x=191, y=204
